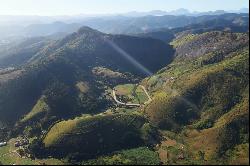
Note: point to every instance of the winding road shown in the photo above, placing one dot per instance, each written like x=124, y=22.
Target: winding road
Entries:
x=132, y=105
x=146, y=92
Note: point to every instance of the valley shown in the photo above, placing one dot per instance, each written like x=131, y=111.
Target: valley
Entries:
x=168, y=96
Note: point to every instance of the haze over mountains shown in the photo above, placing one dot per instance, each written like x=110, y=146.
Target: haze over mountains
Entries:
x=30, y=26
x=183, y=11
x=139, y=88
x=25, y=20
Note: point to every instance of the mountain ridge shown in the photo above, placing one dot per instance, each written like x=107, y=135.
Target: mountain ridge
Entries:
x=60, y=95
x=71, y=59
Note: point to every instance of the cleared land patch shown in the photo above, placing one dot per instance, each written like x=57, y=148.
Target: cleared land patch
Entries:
x=130, y=93
x=83, y=87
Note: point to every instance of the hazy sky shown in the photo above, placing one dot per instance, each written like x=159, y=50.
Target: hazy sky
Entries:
x=71, y=7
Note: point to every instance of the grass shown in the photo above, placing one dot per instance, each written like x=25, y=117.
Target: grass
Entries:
x=211, y=140
x=126, y=110
x=239, y=155
x=137, y=156
x=193, y=80
x=58, y=131
x=219, y=92
x=105, y=72
x=98, y=135
x=126, y=91
x=83, y=87
x=171, y=149
x=205, y=107
x=40, y=107
x=183, y=40
x=12, y=158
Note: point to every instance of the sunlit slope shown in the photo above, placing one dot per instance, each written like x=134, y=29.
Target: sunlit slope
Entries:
x=228, y=137
x=100, y=134
x=199, y=87
x=206, y=93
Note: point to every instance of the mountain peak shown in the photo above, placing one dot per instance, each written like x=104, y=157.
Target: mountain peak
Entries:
x=86, y=29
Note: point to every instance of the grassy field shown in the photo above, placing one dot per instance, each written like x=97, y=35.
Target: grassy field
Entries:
x=127, y=91
x=9, y=157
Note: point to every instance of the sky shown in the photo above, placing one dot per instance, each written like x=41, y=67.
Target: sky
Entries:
x=74, y=7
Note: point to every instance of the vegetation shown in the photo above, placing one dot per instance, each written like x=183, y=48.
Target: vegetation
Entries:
x=130, y=93
x=59, y=95
x=97, y=135
x=183, y=40
x=138, y=156
x=39, y=108
x=53, y=73
x=9, y=157
x=205, y=103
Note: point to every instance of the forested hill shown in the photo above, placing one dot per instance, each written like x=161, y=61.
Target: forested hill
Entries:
x=59, y=65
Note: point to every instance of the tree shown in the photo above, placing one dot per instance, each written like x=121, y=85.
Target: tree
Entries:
x=37, y=148
x=201, y=155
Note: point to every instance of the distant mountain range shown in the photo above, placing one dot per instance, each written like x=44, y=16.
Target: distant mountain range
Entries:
x=122, y=24
x=33, y=19
x=183, y=11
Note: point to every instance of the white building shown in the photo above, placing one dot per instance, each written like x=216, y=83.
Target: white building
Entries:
x=3, y=144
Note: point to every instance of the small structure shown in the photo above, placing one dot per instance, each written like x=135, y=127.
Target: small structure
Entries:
x=172, y=78
x=21, y=142
x=3, y=144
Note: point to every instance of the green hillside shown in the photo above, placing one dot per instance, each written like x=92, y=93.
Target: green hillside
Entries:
x=205, y=99
x=65, y=100
x=95, y=135
x=137, y=156
x=56, y=69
